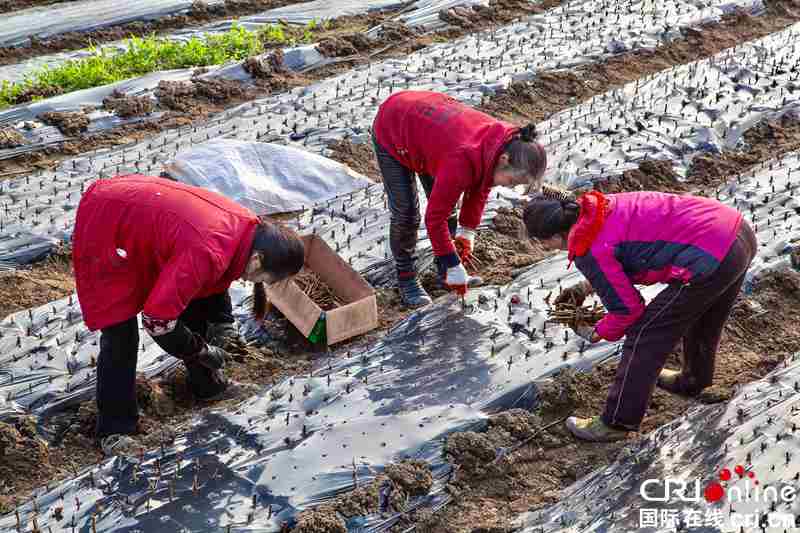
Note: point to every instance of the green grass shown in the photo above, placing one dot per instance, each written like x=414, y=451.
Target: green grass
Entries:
x=150, y=54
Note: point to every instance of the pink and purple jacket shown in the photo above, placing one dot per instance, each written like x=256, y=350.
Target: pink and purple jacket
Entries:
x=648, y=238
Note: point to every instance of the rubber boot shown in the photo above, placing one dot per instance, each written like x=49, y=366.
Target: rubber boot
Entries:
x=412, y=293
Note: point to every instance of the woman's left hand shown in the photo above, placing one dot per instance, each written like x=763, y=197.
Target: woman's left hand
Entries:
x=588, y=333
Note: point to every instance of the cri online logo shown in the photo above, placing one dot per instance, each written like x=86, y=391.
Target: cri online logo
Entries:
x=664, y=490
x=714, y=491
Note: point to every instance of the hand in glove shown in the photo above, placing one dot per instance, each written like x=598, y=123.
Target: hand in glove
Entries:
x=222, y=334
x=211, y=357
x=588, y=334
x=575, y=294
x=465, y=240
x=457, y=279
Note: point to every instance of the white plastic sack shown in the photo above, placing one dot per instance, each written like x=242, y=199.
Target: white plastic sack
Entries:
x=266, y=178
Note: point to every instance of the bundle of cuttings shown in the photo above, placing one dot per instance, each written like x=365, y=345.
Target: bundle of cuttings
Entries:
x=317, y=290
x=575, y=316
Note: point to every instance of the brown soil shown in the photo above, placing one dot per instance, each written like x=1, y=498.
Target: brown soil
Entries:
x=320, y=520
x=509, y=222
x=266, y=68
x=128, y=106
x=344, y=45
x=650, y=176
x=69, y=123
x=768, y=139
x=185, y=96
x=491, y=495
x=395, y=40
x=198, y=15
x=10, y=138
x=44, y=282
x=359, y=157
x=11, y=6
x=402, y=480
x=551, y=92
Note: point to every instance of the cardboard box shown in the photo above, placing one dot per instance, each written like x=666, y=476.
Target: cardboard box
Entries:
x=358, y=315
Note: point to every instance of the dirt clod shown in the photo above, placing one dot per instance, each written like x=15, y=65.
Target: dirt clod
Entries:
x=187, y=96
x=10, y=138
x=412, y=477
x=320, y=520
x=68, y=122
x=128, y=106
x=471, y=450
x=652, y=175
x=518, y=423
x=562, y=394
x=508, y=221
x=360, y=157
x=336, y=47
x=266, y=67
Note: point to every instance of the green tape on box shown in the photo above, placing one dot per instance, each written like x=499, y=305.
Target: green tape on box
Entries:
x=319, y=333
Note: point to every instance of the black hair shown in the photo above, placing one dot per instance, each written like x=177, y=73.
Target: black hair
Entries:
x=545, y=217
x=282, y=255
x=525, y=155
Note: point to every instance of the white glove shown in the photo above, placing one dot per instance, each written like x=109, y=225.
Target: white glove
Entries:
x=586, y=333
x=466, y=234
x=457, y=276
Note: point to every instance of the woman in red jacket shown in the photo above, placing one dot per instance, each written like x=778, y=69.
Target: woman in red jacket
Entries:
x=455, y=150
x=170, y=251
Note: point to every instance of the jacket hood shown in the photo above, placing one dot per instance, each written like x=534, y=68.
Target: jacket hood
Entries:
x=594, y=210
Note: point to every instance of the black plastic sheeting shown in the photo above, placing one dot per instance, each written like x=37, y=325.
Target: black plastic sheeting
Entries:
x=575, y=33
x=756, y=430
x=294, y=445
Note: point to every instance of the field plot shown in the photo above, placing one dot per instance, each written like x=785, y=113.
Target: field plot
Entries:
x=448, y=418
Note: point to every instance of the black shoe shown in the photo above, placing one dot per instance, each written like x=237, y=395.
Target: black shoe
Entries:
x=412, y=293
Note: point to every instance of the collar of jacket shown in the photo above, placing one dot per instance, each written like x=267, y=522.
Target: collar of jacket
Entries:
x=594, y=210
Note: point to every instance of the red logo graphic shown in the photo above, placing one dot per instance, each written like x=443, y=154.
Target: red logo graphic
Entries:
x=715, y=491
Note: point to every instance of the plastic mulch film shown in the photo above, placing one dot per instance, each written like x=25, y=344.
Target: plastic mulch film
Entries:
x=567, y=36
x=305, y=440
x=738, y=461
x=43, y=22
x=266, y=178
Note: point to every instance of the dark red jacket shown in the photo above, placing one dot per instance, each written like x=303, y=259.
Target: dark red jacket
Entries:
x=433, y=134
x=153, y=245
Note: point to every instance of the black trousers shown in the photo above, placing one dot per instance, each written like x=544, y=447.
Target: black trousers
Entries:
x=403, y=199
x=696, y=313
x=117, y=408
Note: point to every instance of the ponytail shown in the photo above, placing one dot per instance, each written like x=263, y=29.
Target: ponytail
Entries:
x=545, y=217
x=260, y=303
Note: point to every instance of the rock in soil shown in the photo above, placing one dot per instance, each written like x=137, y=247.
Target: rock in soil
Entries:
x=69, y=123
x=128, y=106
x=320, y=520
x=10, y=138
x=412, y=477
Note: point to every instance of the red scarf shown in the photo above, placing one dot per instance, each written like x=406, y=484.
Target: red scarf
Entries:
x=594, y=209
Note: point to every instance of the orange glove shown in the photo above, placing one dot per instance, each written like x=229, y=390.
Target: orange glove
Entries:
x=465, y=239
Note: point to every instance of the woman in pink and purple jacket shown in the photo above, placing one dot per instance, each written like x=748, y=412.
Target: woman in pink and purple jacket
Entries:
x=699, y=247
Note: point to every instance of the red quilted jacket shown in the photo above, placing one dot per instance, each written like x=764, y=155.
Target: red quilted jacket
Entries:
x=434, y=134
x=150, y=244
